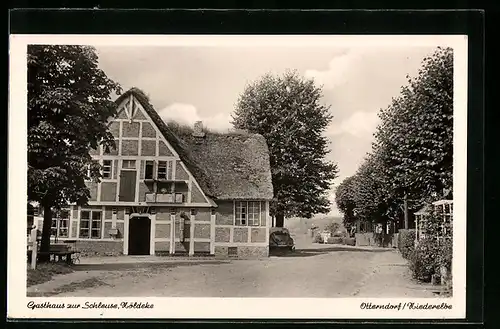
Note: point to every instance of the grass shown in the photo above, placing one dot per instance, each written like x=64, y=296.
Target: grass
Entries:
x=74, y=286
x=85, y=284
x=45, y=272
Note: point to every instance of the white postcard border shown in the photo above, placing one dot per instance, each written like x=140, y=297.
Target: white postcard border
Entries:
x=185, y=308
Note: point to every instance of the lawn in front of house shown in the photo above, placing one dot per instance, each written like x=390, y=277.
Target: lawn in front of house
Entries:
x=45, y=272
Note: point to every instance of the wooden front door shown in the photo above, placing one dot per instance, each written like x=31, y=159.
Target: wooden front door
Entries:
x=139, y=235
x=127, y=185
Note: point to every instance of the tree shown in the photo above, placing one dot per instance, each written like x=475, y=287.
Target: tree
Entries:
x=412, y=154
x=344, y=198
x=287, y=111
x=415, y=136
x=69, y=102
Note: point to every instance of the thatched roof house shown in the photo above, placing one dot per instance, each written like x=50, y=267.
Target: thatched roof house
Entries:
x=171, y=189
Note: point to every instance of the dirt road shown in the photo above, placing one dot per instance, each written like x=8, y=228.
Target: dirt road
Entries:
x=325, y=271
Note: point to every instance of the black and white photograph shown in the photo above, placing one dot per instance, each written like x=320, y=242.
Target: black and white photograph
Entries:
x=238, y=176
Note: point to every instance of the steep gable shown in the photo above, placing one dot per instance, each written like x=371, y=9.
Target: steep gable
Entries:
x=223, y=166
x=174, y=145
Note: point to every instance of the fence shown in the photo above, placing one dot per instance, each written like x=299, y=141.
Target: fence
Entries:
x=377, y=240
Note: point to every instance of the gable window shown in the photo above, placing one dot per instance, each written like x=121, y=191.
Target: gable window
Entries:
x=107, y=167
x=90, y=224
x=60, y=224
x=247, y=213
x=162, y=169
x=149, y=171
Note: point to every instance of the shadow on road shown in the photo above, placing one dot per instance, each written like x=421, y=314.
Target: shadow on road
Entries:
x=139, y=265
x=308, y=252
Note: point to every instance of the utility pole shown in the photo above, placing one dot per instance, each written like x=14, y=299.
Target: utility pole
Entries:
x=406, y=211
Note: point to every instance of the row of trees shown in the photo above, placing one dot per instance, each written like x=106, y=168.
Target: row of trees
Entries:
x=412, y=152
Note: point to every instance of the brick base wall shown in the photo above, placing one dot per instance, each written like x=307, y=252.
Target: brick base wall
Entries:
x=243, y=252
x=100, y=248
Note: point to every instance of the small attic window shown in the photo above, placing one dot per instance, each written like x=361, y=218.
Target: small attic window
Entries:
x=162, y=169
x=149, y=171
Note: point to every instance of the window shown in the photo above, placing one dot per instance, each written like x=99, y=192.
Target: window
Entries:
x=447, y=217
x=90, y=224
x=232, y=251
x=241, y=213
x=247, y=213
x=89, y=167
x=107, y=167
x=60, y=224
x=162, y=169
x=149, y=171
x=128, y=164
x=253, y=213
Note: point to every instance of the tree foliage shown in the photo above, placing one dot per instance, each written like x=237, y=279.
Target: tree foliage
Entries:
x=69, y=102
x=412, y=152
x=288, y=112
x=416, y=130
x=345, y=200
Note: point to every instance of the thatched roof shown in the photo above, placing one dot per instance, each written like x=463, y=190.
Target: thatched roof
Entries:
x=226, y=166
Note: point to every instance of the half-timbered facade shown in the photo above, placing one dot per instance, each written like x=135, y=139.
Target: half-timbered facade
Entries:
x=168, y=193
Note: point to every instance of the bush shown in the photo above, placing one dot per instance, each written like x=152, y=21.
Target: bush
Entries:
x=445, y=255
x=318, y=238
x=349, y=241
x=340, y=234
x=334, y=240
x=424, y=260
x=406, y=242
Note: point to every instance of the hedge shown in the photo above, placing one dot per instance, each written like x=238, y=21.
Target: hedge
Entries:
x=349, y=241
x=424, y=260
x=406, y=242
x=334, y=240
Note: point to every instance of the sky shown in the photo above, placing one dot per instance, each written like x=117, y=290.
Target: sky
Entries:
x=189, y=84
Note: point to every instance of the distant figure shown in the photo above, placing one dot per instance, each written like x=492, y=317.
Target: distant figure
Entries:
x=379, y=230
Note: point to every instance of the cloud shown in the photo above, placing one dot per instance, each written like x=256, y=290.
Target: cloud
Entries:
x=188, y=114
x=338, y=68
x=359, y=124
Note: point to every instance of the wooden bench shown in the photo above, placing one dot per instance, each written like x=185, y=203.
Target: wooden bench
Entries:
x=59, y=253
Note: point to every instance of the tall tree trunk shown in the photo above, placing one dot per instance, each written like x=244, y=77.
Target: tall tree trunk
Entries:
x=280, y=219
x=47, y=224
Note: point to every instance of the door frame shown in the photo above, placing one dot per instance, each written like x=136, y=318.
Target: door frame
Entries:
x=152, y=219
x=139, y=220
